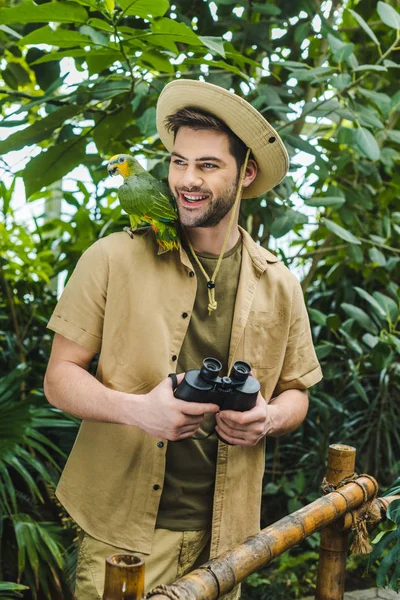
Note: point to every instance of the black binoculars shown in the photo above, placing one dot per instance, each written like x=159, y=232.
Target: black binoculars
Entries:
x=238, y=392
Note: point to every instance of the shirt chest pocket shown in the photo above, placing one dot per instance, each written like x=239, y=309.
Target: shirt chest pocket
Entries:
x=264, y=339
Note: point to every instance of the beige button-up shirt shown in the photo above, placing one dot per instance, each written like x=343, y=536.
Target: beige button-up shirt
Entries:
x=125, y=300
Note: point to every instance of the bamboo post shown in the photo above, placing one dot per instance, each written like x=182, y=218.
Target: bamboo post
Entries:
x=220, y=575
x=334, y=539
x=124, y=577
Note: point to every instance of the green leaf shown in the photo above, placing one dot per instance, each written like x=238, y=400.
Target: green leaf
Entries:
x=158, y=61
x=364, y=26
x=377, y=256
x=290, y=64
x=28, y=12
x=390, y=307
x=311, y=75
x=371, y=300
x=317, y=316
x=101, y=52
x=284, y=223
x=360, y=316
x=147, y=122
x=144, y=8
x=341, y=51
x=215, y=44
x=341, y=232
x=388, y=15
x=40, y=130
x=297, y=142
x=370, y=68
x=393, y=511
x=323, y=350
x=390, y=64
x=265, y=9
x=271, y=489
x=367, y=143
x=340, y=81
x=326, y=201
x=177, y=32
x=53, y=164
x=333, y=322
x=369, y=118
x=63, y=38
x=381, y=101
x=393, y=135
x=370, y=340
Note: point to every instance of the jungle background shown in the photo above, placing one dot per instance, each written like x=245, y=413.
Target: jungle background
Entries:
x=326, y=75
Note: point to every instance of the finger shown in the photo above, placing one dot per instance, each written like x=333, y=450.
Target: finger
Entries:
x=226, y=423
x=234, y=440
x=196, y=408
x=191, y=421
x=188, y=433
x=247, y=417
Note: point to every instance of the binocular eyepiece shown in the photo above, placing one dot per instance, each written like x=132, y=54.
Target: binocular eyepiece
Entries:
x=212, y=367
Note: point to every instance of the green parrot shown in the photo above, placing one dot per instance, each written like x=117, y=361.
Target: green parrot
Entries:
x=146, y=200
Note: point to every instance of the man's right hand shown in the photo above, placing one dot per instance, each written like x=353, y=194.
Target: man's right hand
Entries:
x=163, y=416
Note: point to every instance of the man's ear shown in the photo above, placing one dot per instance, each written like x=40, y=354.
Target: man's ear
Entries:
x=251, y=173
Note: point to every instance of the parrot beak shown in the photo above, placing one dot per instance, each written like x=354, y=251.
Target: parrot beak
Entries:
x=112, y=169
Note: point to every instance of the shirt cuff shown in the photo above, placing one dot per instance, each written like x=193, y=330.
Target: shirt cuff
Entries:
x=74, y=333
x=300, y=383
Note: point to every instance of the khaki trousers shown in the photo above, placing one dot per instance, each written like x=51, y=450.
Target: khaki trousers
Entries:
x=174, y=554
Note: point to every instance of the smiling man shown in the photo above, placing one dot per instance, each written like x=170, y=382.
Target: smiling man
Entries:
x=128, y=483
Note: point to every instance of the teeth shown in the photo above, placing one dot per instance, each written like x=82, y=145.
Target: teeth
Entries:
x=194, y=198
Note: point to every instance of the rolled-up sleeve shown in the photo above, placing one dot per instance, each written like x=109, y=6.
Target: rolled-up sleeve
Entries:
x=300, y=369
x=79, y=314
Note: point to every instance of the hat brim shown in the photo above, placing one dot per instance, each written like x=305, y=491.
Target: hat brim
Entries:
x=240, y=116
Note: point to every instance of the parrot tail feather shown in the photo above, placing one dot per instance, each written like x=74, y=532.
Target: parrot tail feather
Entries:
x=165, y=245
x=166, y=235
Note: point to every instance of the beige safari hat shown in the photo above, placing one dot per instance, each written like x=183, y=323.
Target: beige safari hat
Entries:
x=240, y=116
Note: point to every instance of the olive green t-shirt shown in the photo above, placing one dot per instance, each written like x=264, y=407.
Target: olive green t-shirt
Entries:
x=187, y=496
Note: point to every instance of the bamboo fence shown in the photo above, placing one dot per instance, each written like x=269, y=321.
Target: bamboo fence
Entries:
x=350, y=500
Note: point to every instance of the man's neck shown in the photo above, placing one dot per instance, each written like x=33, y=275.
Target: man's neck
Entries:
x=211, y=239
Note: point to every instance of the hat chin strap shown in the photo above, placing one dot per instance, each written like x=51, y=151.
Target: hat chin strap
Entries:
x=212, y=303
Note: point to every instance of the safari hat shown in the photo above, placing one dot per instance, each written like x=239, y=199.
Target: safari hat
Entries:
x=240, y=116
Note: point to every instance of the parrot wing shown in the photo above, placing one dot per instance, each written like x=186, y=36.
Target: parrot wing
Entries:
x=150, y=198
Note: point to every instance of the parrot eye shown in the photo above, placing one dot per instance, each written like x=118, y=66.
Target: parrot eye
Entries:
x=121, y=160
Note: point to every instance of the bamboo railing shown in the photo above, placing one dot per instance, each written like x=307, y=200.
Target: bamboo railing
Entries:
x=335, y=513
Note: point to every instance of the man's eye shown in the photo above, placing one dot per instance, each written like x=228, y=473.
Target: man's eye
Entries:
x=178, y=162
x=209, y=166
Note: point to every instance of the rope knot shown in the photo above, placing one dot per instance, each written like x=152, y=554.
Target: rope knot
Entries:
x=212, y=305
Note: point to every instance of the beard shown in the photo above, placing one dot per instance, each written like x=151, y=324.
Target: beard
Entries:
x=216, y=210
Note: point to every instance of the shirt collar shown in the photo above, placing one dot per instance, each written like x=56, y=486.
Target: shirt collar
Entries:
x=259, y=255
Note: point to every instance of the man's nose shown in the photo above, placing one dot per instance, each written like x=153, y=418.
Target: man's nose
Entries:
x=192, y=178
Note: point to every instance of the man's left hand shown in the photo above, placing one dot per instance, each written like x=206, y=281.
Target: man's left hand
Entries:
x=244, y=428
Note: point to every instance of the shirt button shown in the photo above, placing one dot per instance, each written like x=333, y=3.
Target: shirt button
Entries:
x=191, y=273
x=156, y=487
x=160, y=444
x=184, y=315
x=174, y=357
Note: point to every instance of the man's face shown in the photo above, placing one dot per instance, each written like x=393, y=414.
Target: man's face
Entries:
x=202, y=176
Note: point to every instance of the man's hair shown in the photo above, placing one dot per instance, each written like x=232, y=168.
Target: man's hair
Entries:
x=197, y=119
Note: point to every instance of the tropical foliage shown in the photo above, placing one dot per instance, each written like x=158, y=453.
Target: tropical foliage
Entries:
x=79, y=81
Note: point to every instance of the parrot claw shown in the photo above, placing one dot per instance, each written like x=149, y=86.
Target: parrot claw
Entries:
x=129, y=230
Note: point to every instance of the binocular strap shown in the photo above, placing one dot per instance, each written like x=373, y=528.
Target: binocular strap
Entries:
x=174, y=380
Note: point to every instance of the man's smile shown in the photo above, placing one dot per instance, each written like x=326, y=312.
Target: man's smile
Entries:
x=192, y=199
